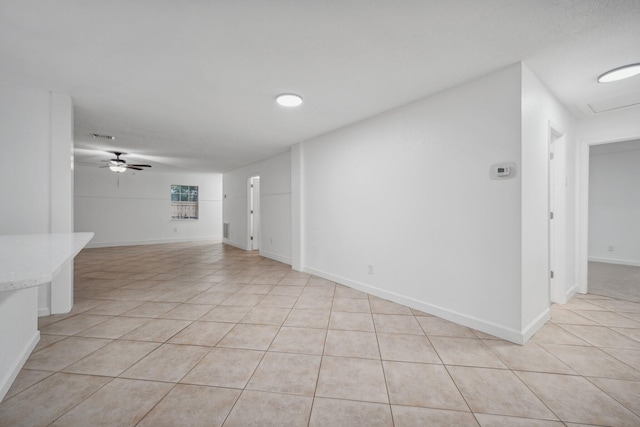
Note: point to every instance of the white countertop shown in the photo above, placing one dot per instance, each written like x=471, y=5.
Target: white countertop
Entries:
x=28, y=260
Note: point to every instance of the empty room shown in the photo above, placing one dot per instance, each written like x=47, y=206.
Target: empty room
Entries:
x=320, y=213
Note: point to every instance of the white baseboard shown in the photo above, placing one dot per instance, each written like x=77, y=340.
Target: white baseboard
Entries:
x=44, y=311
x=487, y=327
x=275, y=257
x=535, y=325
x=571, y=292
x=153, y=242
x=13, y=371
x=615, y=261
x=235, y=244
x=566, y=295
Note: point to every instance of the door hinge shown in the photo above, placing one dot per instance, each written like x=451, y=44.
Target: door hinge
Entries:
x=251, y=185
x=251, y=237
x=551, y=274
x=252, y=211
x=550, y=215
x=550, y=156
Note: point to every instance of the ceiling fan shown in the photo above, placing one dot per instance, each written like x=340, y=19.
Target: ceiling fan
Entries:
x=119, y=165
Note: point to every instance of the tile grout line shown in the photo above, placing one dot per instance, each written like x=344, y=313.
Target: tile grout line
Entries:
x=326, y=335
x=384, y=372
x=244, y=388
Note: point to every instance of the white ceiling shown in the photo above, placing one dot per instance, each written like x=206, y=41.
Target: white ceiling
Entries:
x=191, y=84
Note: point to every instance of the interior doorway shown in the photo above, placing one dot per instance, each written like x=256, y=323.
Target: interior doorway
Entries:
x=582, y=241
x=254, y=213
x=614, y=206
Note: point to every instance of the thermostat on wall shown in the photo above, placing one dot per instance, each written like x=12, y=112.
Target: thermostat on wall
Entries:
x=503, y=171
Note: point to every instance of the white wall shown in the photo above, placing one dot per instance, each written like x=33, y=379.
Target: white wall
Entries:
x=60, y=293
x=25, y=160
x=275, y=206
x=540, y=110
x=35, y=169
x=409, y=192
x=614, y=207
x=138, y=210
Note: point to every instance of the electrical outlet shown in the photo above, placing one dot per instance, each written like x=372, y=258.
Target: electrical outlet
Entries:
x=610, y=248
x=370, y=269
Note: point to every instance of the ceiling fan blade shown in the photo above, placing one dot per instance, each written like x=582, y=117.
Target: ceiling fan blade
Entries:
x=141, y=166
x=132, y=167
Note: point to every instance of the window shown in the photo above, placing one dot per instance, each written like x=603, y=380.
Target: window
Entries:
x=184, y=202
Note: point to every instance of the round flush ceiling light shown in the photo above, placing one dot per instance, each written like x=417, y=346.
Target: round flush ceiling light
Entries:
x=619, y=73
x=289, y=100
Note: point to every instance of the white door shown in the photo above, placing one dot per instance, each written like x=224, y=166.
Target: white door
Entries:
x=255, y=212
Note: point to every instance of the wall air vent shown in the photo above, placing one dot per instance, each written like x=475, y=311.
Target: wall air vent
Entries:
x=97, y=135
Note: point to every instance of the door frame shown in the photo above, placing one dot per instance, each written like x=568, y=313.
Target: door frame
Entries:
x=582, y=223
x=557, y=175
x=252, y=242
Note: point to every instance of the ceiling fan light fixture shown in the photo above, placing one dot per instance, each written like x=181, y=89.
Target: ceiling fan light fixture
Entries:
x=117, y=168
x=619, y=73
x=289, y=100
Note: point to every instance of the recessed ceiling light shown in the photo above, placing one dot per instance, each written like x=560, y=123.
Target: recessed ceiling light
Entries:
x=289, y=100
x=619, y=73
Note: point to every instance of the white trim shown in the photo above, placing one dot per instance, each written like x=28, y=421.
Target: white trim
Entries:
x=276, y=257
x=534, y=326
x=556, y=193
x=249, y=208
x=582, y=205
x=44, y=311
x=567, y=295
x=615, y=261
x=14, y=370
x=235, y=244
x=571, y=292
x=154, y=242
x=453, y=316
x=297, y=207
x=555, y=129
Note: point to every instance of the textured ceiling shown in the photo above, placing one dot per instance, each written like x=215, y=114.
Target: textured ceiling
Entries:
x=191, y=84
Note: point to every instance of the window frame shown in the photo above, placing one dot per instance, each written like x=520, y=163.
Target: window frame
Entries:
x=187, y=192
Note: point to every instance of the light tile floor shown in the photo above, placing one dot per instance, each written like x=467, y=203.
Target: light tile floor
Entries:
x=205, y=334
